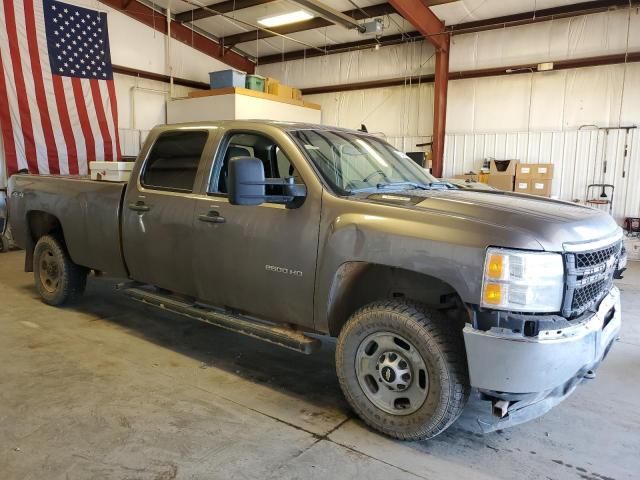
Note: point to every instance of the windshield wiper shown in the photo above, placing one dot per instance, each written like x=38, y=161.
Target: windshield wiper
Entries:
x=441, y=184
x=414, y=185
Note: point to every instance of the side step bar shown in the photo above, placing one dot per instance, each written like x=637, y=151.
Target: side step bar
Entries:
x=282, y=336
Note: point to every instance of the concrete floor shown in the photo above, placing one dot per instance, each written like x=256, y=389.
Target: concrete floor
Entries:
x=111, y=389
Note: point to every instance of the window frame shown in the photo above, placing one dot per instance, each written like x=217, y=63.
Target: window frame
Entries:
x=143, y=170
x=218, y=160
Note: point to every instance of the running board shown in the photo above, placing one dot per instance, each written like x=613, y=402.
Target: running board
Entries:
x=284, y=337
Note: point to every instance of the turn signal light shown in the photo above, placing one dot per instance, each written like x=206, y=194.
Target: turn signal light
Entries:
x=495, y=266
x=493, y=294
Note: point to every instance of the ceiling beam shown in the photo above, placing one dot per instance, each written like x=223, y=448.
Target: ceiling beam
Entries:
x=378, y=10
x=364, y=44
x=181, y=33
x=536, y=16
x=525, y=18
x=227, y=6
x=331, y=14
x=631, y=57
x=424, y=20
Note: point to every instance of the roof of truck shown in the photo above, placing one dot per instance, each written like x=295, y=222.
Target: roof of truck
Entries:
x=257, y=122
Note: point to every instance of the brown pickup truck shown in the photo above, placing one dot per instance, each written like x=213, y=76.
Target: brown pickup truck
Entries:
x=284, y=231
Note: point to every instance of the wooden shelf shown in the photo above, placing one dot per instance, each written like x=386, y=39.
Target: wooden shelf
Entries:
x=252, y=93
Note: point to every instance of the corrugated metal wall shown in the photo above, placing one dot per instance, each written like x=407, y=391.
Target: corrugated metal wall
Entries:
x=578, y=156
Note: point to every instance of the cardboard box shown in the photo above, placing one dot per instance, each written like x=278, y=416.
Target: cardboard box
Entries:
x=269, y=83
x=522, y=186
x=279, y=89
x=542, y=171
x=632, y=246
x=472, y=177
x=503, y=167
x=501, y=182
x=524, y=171
x=540, y=186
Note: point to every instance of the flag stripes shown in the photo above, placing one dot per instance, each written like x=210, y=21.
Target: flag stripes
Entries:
x=56, y=114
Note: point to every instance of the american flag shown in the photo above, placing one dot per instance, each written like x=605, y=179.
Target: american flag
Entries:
x=57, y=98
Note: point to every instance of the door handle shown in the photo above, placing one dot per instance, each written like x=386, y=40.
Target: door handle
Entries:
x=212, y=217
x=139, y=207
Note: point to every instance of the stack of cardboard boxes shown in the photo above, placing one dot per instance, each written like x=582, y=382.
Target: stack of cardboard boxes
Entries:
x=274, y=87
x=534, y=179
x=502, y=174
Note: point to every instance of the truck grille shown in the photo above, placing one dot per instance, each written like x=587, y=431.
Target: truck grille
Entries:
x=597, y=257
x=589, y=278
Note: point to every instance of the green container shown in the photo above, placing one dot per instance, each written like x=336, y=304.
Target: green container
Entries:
x=255, y=82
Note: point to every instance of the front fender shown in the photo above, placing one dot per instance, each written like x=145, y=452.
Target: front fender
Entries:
x=447, y=247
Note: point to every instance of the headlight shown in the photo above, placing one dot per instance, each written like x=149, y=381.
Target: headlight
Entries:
x=523, y=281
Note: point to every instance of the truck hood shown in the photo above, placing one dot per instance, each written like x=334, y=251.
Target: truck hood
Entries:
x=551, y=222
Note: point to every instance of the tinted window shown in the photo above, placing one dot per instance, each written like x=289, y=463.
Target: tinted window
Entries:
x=275, y=161
x=173, y=161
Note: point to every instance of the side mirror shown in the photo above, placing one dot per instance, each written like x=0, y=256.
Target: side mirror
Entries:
x=246, y=181
x=246, y=184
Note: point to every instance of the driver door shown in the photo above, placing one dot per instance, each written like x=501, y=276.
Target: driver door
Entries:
x=259, y=260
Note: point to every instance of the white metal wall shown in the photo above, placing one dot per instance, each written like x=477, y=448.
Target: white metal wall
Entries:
x=578, y=156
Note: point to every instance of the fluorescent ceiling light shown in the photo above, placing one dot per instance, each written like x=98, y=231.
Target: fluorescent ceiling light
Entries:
x=285, y=19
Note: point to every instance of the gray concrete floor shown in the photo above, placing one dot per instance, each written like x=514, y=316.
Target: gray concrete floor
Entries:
x=110, y=389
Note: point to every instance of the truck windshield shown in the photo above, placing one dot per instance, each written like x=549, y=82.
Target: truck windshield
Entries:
x=353, y=163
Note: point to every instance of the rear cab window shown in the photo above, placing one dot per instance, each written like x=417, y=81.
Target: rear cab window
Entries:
x=172, y=163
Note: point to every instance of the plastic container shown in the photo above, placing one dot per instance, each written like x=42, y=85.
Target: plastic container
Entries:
x=227, y=79
x=255, y=82
x=111, y=171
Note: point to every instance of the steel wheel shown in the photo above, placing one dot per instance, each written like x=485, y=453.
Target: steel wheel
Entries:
x=50, y=271
x=392, y=373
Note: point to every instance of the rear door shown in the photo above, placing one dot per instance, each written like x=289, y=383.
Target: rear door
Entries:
x=158, y=210
x=259, y=260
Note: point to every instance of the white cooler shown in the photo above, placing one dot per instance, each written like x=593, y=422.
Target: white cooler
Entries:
x=111, y=171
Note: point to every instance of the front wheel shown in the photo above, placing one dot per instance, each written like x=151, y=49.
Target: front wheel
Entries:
x=403, y=369
x=58, y=280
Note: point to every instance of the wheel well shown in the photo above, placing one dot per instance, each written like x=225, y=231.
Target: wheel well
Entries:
x=357, y=284
x=40, y=224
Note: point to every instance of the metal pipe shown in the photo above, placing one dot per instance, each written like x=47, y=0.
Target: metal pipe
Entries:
x=331, y=14
x=168, y=52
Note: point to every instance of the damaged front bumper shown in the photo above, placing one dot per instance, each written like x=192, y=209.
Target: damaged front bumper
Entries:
x=531, y=374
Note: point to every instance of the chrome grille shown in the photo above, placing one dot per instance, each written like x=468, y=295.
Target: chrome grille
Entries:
x=597, y=257
x=589, y=277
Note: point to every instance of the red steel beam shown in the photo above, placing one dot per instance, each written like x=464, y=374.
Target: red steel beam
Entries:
x=157, y=21
x=424, y=20
x=440, y=107
x=417, y=12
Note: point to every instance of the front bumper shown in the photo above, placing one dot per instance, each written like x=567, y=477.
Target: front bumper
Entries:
x=540, y=371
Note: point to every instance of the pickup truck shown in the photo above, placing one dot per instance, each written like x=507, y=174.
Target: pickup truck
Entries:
x=287, y=232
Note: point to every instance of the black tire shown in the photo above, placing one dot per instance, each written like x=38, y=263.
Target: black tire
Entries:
x=58, y=280
x=442, y=352
x=4, y=244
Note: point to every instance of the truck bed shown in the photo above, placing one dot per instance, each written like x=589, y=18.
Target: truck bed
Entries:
x=88, y=211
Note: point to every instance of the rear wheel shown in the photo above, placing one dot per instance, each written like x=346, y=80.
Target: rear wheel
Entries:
x=57, y=279
x=402, y=367
x=4, y=244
